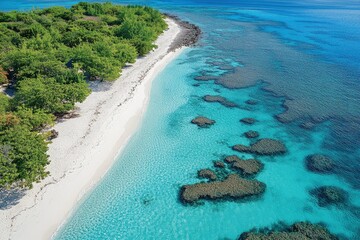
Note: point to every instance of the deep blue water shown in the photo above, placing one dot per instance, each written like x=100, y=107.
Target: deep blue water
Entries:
x=300, y=60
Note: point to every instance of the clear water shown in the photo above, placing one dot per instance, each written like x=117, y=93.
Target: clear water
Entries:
x=301, y=61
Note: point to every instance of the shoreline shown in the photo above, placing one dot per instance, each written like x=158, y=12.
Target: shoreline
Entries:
x=88, y=145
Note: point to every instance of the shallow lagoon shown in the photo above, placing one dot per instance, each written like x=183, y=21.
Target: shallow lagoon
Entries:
x=304, y=54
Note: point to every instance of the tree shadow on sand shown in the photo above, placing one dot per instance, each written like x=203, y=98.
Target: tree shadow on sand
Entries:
x=10, y=198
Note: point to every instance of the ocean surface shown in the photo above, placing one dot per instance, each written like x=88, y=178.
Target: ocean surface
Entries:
x=300, y=60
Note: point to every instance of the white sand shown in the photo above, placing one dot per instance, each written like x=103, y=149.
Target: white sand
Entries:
x=87, y=146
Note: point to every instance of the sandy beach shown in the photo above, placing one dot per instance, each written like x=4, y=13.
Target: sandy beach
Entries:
x=87, y=146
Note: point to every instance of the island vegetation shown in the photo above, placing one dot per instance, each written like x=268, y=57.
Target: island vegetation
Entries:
x=48, y=56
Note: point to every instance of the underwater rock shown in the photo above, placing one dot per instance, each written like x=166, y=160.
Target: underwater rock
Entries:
x=329, y=195
x=297, y=231
x=248, y=121
x=241, y=148
x=219, y=164
x=207, y=173
x=202, y=122
x=223, y=101
x=319, y=163
x=251, y=134
x=251, y=102
x=247, y=167
x=233, y=187
x=265, y=146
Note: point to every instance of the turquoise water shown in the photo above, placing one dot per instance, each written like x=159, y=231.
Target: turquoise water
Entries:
x=301, y=61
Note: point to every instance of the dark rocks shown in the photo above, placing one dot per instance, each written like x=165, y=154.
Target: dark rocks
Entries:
x=53, y=134
x=319, y=163
x=219, y=164
x=219, y=99
x=297, y=231
x=247, y=167
x=207, y=173
x=251, y=134
x=265, y=146
x=329, y=195
x=189, y=35
x=202, y=122
x=248, y=121
x=251, y=102
x=233, y=187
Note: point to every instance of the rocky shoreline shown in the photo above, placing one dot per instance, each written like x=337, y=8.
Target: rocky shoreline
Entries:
x=189, y=36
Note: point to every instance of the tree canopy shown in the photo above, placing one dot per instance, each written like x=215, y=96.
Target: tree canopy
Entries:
x=48, y=56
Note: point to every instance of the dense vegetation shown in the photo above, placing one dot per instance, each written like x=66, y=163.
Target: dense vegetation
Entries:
x=48, y=55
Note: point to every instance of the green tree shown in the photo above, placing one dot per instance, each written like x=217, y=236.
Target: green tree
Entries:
x=34, y=119
x=8, y=171
x=3, y=76
x=49, y=95
x=27, y=150
x=4, y=103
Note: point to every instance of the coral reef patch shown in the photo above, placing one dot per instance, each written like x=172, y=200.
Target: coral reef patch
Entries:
x=223, y=101
x=319, y=163
x=207, y=173
x=233, y=187
x=219, y=164
x=248, y=121
x=329, y=195
x=265, y=146
x=202, y=122
x=297, y=231
x=246, y=167
x=251, y=134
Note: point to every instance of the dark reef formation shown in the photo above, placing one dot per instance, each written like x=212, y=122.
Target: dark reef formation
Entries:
x=223, y=101
x=297, y=231
x=319, y=163
x=207, y=173
x=246, y=167
x=265, y=146
x=202, y=122
x=219, y=164
x=233, y=187
x=251, y=102
x=329, y=195
x=189, y=35
x=251, y=134
x=248, y=121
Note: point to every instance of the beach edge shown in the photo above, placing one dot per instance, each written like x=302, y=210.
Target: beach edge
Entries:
x=88, y=145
